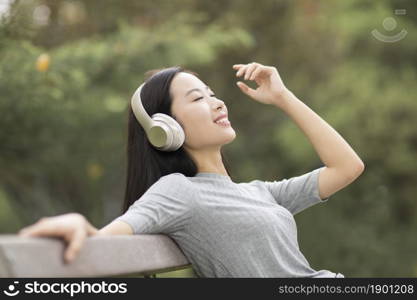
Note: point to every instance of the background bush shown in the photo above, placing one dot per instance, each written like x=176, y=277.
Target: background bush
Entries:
x=68, y=69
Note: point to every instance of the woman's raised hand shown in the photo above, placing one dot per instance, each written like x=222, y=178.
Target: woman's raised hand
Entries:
x=270, y=86
x=72, y=227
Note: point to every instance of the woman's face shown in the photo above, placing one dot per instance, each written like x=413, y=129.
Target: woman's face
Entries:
x=196, y=107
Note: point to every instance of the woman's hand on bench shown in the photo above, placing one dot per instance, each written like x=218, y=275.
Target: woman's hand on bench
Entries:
x=72, y=227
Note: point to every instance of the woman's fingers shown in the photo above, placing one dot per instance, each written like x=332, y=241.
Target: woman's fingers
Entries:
x=246, y=89
x=237, y=66
x=72, y=227
x=40, y=228
x=255, y=73
x=252, y=67
x=247, y=70
x=44, y=229
x=75, y=244
x=241, y=70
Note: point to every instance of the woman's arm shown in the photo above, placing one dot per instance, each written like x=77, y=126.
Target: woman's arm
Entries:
x=342, y=164
x=73, y=228
x=115, y=227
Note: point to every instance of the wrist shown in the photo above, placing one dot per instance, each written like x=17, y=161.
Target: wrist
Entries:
x=283, y=98
x=91, y=230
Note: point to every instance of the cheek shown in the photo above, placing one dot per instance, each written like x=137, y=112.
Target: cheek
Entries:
x=197, y=125
x=196, y=119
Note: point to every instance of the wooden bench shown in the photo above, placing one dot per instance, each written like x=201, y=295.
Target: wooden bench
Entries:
x=146, y=255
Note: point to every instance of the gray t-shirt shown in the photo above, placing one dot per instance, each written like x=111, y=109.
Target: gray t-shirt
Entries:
x=229, y=229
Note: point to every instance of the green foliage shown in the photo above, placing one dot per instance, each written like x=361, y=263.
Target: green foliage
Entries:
x=65, y=126
x=63, y=129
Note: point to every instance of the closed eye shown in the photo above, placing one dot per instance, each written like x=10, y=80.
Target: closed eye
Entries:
x=202, y=97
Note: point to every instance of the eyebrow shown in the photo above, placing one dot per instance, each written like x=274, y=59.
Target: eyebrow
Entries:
x=195, y=89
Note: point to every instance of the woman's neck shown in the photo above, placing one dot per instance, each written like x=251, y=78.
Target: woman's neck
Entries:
x=209, y=161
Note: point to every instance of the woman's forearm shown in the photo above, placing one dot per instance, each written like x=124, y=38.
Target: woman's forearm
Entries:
x=332, y=149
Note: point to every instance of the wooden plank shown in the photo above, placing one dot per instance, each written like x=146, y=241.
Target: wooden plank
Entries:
x=100, y=256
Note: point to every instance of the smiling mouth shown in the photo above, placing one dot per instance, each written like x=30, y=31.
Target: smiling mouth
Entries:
x=224, y=122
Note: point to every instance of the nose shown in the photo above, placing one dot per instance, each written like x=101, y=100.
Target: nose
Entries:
x=219, y=104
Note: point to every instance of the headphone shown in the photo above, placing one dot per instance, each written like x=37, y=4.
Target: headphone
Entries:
x=162, y=131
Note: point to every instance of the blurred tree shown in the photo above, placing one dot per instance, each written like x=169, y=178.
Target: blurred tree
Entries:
x=67, y=73
x=66, y=110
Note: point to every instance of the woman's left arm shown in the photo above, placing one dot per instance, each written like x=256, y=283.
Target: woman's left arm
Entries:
x=342, y=164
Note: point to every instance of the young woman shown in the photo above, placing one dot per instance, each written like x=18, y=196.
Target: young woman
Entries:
x=225, y=229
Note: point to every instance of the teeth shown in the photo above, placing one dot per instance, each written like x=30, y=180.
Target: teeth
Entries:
x=223, y=121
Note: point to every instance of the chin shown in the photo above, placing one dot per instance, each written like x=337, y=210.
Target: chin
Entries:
x=230, y=138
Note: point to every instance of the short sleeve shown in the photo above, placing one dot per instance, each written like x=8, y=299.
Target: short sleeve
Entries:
x=164, y=208
x=297, y=193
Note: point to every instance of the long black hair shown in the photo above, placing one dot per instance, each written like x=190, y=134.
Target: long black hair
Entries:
x=145, y=164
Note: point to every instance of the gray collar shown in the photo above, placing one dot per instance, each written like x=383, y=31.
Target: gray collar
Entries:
x=213, y=175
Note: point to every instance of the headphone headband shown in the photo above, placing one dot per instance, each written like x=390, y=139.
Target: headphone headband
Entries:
x=139, y=111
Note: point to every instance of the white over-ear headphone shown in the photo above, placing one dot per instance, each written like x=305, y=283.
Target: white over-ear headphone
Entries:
x=162, y=131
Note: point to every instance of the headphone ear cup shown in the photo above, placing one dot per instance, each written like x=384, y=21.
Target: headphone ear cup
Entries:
x=174, y=134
